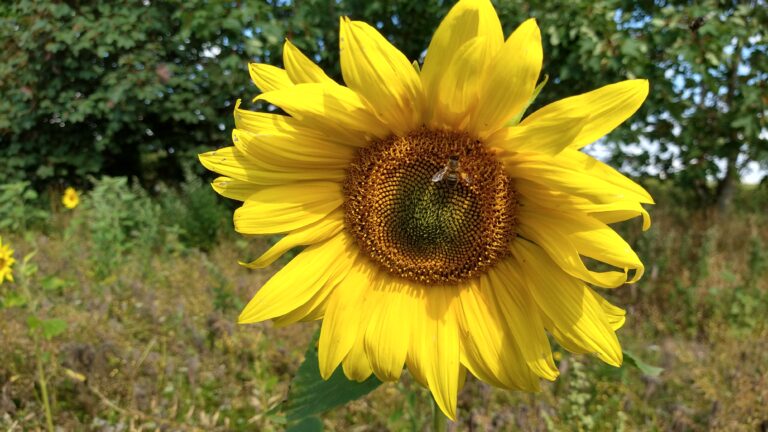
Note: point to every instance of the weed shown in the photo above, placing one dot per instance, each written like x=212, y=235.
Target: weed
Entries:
x=196, y=211
x=20, y=207
x=150, y=301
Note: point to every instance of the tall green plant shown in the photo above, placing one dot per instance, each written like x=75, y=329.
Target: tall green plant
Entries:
x=117, y=218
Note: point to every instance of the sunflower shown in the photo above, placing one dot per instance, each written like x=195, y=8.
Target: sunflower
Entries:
x=70, y=199
x=442, y=233
x=6, y=262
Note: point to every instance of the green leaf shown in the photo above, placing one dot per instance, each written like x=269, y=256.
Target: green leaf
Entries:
x=33, y=322
x=13, y=299
x=645, y=368
x=307, y=424
x=50, y=327
x=53, y=283
x=536, y=91
x=53, y=327
x=310, y=395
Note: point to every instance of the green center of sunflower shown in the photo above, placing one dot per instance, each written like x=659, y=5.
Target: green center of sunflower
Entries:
x=434, y=207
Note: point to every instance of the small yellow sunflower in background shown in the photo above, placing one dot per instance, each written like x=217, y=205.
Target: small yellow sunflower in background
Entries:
x=6, y=262
x=442, y=233
x=70, y=199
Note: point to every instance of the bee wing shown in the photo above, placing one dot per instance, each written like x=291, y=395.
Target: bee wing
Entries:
x=439, y=175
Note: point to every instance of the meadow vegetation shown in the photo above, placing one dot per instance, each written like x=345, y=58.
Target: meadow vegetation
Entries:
x=123, y=315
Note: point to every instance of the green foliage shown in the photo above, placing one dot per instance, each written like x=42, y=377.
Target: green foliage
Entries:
x=311, y=395
x=707, y=65
x=89, y=87
x=164, y=343
x=117, y=217
x=200, y=215
x=134, y=89
x=576, y=411
x=49, y=328
x=706, y=62
x=758, y=260
x=645, y=368
x=20, y=207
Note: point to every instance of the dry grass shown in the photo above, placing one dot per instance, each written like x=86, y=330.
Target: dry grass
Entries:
x=158, y=346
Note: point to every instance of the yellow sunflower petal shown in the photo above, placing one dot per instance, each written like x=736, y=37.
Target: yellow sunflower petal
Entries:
x=415, y=370
x=458, y=93
x=548, y=136
x=285, y=208
x=232, y=162
x=292, y=151
x=321, y=230
x=509, y=83
x=314, y=308
x=389, y=327
x=300, y=68
x=233, y=188
x=466, y=20
x=553, y=233
x=522, y=318
x=268, y=77
x=614, y=315
x=343, y=316
x=333, y=110
x=605, y=108
x=284, y=126
x=608, y=213
x=482, y=335
x=374, y=68
x=619, y=212
x=567, y=236
x=490, y=351
x=299, y=280
x=572, y=314
x=356, y=365
x=576, y=173
x=435, y=347
x=596, y=240
x=229, y=162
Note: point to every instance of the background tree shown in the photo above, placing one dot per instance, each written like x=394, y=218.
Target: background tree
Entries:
x=91, y=87
x=133, y=90
x=706, y=116
x=707, y=62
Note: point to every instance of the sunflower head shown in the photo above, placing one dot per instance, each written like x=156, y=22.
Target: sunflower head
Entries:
x=444, y=229
x=70, y=199
x=432, y=206
x=6, y=262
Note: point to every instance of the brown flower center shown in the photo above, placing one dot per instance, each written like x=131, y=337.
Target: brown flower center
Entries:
x=432, y=206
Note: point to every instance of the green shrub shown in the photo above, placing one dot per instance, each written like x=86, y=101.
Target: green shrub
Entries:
x=200, y=215
x=117, y=218
x=20, y=207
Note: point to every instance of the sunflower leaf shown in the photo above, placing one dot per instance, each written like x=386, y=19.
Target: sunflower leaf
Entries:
x=307, y=424
x=310, y=395
x=645, y=368
x=516, y=120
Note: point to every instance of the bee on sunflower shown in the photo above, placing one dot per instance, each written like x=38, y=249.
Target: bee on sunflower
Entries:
x=444, y=229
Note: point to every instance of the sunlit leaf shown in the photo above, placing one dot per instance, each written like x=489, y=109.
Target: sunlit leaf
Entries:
x=645, y=368
x=310, y=395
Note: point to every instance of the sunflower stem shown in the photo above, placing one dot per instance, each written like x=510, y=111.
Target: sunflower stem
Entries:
x=44, y=390
x=439, y=421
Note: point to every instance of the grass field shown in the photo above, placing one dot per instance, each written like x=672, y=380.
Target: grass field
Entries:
x=125, y=308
